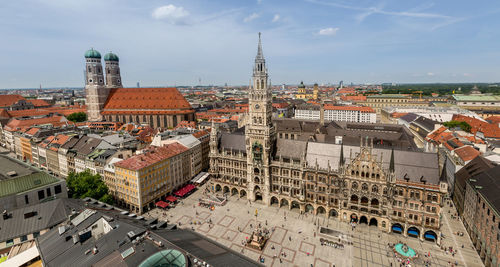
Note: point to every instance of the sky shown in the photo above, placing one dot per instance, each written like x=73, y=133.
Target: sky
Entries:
x=183, y=42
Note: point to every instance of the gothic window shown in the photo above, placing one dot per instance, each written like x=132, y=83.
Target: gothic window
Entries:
x=374, y=189
x=364, y=187
x=90, y=69
x=354, y=185
x=385, y=190
x=261, y=84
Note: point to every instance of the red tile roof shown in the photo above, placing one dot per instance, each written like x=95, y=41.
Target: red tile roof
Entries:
x=159, y=99
x=39, y=102
x=353, y=97
x=9, y=100
x=489, y=130
x=494, y=119
x=18, y=124
x=467, y=153
x=44, y=111
x=154, y=155
x=200, y=134
x=33, y=131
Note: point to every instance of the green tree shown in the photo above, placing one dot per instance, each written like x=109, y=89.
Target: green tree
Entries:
x=85, y=184
x=462, y=124
x=77, y=117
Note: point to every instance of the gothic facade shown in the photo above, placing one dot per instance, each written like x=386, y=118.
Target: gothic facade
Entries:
x=396, y=190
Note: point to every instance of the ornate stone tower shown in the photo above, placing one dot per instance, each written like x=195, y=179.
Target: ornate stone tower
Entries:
x=260, y=134
x=113, y=78
x=95, y=91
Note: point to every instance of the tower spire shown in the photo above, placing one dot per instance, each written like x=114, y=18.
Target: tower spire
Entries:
x=341, y=161
x=391, y=163
x=260, y=55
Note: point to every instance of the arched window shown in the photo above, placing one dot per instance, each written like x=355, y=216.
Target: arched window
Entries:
x=354, y=185
x=364, y=187
x=261, y=84
x=374, y=189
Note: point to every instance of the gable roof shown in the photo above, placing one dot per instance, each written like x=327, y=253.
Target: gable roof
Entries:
x=155, y=155
x=159, y=99
x=9, y=100
x=38, y=102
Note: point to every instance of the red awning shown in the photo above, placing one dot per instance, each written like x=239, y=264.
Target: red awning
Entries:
x=183, y=191
x=171, y=199
x=162, y=204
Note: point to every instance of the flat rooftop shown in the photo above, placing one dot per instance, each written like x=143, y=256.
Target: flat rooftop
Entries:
x=12, y=168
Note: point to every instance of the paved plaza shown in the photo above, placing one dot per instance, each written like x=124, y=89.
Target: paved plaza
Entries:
x=296, y=236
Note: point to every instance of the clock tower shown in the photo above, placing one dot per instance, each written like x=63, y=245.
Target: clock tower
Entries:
x=260, y=134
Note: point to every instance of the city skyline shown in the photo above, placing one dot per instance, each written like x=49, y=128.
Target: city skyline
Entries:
x=181, y=42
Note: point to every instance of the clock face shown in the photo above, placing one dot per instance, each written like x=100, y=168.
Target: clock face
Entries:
x=257, y=106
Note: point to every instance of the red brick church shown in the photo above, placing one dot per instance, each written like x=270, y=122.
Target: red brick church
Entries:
x=107, y=100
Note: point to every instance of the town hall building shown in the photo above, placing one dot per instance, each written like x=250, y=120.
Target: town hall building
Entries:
x=316, y=168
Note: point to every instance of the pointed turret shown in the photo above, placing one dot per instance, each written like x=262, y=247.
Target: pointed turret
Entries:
x=260, y=55
x=391, y=163
x=342, y=160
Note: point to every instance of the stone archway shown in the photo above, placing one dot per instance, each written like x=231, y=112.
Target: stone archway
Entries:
x=413, y=232
x=374, y=203
x=234, y=191
x=320, y=211
x=363, y=219
x=354, y=199
x=333, y=213
x=430, y=236
x=373, y=222
x=284, y=203
x=226, y=189
x=295, y=206
x=218, y=188
x=243, y=193
x=309, y=208
x=257, y=194
x=397, y=228
x=364, y=201
x=354, y=217
x=274, y=202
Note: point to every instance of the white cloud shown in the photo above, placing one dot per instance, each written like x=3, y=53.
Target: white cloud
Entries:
x=276, y=18
x=251, y=17
x=171, y=13
x=430, y=74
x=259, y=1
x=328, y=31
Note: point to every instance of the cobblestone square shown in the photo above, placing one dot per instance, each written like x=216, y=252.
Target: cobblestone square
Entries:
x=298, y=235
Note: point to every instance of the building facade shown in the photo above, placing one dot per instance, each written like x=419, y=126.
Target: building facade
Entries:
x=362, y=184
x=107, y=100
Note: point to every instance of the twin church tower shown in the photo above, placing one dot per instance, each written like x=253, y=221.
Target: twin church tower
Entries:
x=96, y=89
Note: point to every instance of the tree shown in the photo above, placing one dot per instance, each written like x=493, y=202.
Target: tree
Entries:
x=462, y=124
x=85, y=184
x=77, y=117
